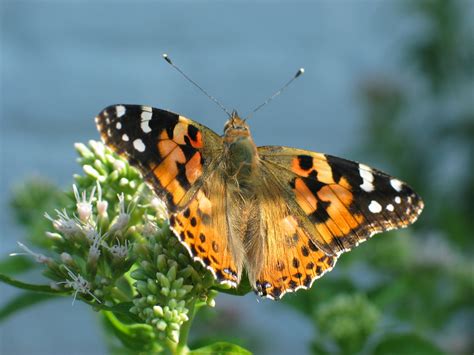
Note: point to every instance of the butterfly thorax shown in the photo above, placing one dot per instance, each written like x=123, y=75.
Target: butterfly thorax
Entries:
x=240, y=150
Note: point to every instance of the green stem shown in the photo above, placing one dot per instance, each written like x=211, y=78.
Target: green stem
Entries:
x=182, y=347
x=30, y=287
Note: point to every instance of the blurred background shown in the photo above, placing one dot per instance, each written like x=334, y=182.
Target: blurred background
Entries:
x=388, y=83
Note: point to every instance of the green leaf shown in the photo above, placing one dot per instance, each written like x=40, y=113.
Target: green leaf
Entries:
x=30, y=287
x=21, y=302
x=137, y=337
x=16, y=265
x=122, y=312
x=220, y=348
x=407, y=344
x=122, y=308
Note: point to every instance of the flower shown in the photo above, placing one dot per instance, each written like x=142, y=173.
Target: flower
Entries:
x=79, y=284
x=40, y=258
x=84, y=206
x=94, y=249
x=122, y=253
x=64, y=224
x=123, y=218
x=101, y=204
x=119, y=251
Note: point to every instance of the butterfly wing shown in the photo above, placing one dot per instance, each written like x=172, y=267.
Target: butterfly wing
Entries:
x=281, y=254
x=203, y=228
x=345, y=202
x=179, y=159
x=316, y=207
x=172, y=152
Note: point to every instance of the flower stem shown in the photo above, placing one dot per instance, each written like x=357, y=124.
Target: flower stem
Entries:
x=182, y=347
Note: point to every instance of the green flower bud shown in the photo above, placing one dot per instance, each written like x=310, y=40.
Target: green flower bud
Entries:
x=139, y=274
x=152, y=287
x=142, y=287
x=173, y=335
x=158, y=311
x=171, y=275
x=161, y=263
x=177, y=284
x=151, y=300
x=165, y=291
x=163, y=280
x=83, y=151
x=161, y=325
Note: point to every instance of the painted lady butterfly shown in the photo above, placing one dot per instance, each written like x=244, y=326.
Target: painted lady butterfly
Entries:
x=282, y=214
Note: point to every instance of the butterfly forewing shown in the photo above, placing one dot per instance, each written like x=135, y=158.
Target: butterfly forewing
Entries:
x=346, y=202
x=171, y=151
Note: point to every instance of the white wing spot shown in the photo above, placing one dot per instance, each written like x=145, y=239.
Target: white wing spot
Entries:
x=125, y=138
x=145, y=124
x=367, y=176
x=109, y=132
x=139, y=145
x=118, y=125
x=120, y=110
x=396, y=184
x=147, y=108
x=398, y=200
x=390, y=207
x=375, y=207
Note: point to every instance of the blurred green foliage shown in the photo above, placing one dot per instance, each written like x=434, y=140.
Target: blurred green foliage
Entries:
x=340, y=319
x=419, y=281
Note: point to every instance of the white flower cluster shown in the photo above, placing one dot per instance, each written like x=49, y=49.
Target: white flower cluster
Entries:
x=111, y=245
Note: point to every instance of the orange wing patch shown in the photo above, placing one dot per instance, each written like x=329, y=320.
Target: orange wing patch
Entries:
x=327, y=207
x=296, y=268
x=181, y=163
x=305, y=166
x=202, y=229
x=337, y=224
x=181, y=166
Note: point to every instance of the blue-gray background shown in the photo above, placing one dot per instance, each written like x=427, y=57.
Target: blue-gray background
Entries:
x=62, y=62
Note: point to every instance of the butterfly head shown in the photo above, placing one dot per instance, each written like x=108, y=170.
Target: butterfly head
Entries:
x=236, y=127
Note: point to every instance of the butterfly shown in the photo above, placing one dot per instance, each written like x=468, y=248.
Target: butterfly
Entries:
x=281, y=215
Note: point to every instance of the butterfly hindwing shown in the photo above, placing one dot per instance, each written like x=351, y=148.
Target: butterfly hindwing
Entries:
x=302, y=263
x=171, y=151
x=345, y=201
x=202, y=227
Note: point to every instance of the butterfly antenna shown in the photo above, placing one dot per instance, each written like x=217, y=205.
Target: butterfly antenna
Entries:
x=278, y=92
x=165, y=57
